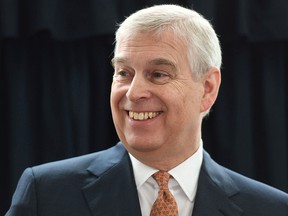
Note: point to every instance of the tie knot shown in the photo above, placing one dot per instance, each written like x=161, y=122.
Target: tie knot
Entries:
x=162, y=178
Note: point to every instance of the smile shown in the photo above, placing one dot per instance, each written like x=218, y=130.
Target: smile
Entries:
x=141, y=116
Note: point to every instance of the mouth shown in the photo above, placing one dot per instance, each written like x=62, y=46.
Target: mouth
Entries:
x=142, y=116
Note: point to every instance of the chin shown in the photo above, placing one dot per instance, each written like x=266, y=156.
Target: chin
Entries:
x=141, y=146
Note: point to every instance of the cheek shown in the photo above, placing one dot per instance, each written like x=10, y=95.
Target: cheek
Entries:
x=187, y=101
x=112, y=97
x=114, y=104
x=116, y=95
x=115, y=99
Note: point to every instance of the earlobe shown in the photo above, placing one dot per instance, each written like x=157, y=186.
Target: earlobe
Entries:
x=211, y=84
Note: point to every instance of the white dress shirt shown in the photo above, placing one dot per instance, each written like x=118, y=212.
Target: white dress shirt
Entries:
x=183, y=186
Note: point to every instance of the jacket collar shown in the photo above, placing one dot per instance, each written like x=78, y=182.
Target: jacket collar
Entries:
x=111, y=189
x=215, y=191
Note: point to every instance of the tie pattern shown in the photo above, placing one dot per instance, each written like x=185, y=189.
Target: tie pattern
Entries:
x=165, y=204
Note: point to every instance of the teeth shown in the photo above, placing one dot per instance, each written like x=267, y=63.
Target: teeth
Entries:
x=143, y=115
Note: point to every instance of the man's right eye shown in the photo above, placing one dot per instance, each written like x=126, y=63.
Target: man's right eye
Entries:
x=122, y=76
x=122, y=73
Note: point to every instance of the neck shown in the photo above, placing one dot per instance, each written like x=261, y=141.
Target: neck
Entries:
x=168, y=159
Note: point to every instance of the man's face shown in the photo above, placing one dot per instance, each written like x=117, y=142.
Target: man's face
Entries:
x=155, y=102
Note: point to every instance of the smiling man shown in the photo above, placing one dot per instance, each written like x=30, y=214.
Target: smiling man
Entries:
x=157, y=104
x=167, y=63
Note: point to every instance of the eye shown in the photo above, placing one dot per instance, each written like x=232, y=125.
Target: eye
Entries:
x=122, y=76
x=159, y=77
x=122, y=73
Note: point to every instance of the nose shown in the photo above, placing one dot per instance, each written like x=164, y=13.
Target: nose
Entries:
x=138, y=89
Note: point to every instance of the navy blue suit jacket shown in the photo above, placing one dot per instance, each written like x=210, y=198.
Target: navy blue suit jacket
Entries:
x=102, y=184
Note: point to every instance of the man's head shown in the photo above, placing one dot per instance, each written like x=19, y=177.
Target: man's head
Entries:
x=166, y=79
x=204, y=50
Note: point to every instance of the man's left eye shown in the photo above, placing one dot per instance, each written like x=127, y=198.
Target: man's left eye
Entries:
x=159, y=77
x=159, y=74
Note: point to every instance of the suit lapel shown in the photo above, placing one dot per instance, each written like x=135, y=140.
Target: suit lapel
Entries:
x=215, y=190
x=112, y=191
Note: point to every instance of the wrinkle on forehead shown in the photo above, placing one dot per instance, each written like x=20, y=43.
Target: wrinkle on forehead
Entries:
x=156, y=61
x=143, y=40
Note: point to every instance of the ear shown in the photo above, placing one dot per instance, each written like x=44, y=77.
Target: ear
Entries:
x=211, y=83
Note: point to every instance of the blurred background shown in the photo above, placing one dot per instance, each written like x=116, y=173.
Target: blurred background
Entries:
x=55, y=77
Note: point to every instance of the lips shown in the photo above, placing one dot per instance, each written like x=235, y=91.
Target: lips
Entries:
x=141, y=116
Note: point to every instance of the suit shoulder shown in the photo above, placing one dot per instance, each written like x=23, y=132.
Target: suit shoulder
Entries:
x=256, y=196
x=251, y=186
x=79, y=163
x=252, y=196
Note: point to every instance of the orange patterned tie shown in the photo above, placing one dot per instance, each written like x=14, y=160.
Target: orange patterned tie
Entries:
x=165, y=204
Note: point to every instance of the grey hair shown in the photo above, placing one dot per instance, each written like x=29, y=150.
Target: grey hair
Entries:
x=204, y=49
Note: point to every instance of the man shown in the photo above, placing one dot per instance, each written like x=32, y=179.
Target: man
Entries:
x=167, y=63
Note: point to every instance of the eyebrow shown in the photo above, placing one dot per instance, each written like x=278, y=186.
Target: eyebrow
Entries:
x=118, y=60
x=157, y=61
x=163, y=61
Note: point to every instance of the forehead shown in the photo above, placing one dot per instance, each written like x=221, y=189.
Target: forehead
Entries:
x=154, y=48
x=153, y=62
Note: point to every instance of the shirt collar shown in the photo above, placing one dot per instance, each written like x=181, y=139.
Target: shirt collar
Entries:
x=141, y=171
x=186, y=173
